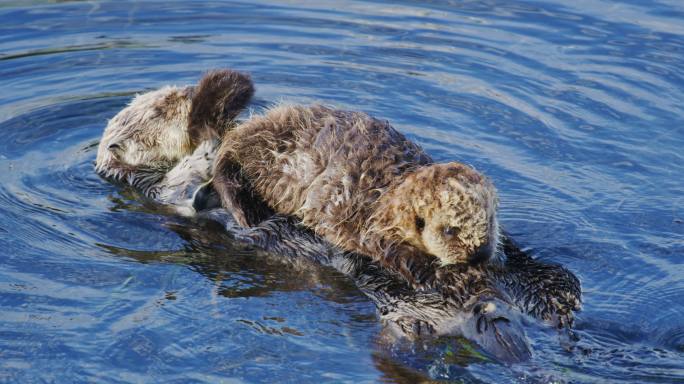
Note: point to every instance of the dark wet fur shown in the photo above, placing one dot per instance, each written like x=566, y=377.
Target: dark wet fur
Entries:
x=216, y=101
x=229, y=181
x=522, y=280
x=511, y=287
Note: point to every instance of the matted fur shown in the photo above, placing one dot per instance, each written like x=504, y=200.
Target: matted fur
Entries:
x=362, y=185
x=545, y=291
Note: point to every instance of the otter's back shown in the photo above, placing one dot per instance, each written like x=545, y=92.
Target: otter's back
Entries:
x=325, y=166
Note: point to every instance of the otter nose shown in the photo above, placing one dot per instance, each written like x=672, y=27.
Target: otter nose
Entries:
x=481, y=254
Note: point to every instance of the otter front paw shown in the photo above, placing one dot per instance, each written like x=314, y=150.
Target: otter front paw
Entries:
x=200, y=163
x=554, y=298
x=547, y=291
x=460, y=283
x=560, y=309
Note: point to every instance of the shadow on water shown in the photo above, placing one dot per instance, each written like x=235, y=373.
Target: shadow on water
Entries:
x=573, y=109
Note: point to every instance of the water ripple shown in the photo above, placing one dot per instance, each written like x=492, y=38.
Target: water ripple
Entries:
x=573, y=109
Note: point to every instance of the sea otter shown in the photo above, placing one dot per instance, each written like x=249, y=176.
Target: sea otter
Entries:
x=361, y=185
x=519, y=283
x=150, y=136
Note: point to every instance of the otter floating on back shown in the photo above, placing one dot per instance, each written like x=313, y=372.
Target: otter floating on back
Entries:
x=149, y=137
x=519, y=283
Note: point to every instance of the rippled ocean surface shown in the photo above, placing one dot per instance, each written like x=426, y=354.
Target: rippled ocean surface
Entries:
x=574, y=109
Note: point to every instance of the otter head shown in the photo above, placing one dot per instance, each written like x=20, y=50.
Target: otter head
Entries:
x=158, y=128
x=449, y=211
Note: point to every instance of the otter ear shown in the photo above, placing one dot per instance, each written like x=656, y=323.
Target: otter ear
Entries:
x=218, y=98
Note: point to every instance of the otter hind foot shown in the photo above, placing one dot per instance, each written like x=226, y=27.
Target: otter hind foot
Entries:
x=217, y=100
x=497, y=328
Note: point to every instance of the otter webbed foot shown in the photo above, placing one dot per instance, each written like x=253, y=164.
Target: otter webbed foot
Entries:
x=485, y=320
x=206, y=198
x=237, y=195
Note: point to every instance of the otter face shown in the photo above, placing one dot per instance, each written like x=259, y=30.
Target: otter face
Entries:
x=158, y=128
x=454, y=214
x=152, y=130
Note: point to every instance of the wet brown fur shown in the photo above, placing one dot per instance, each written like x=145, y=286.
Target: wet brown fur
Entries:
x=221, y=96
x=360, y=184
x=545, y=291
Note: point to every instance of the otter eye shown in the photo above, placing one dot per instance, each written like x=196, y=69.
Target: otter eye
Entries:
x=450, y=231
x=116, y=150
x=420, y=224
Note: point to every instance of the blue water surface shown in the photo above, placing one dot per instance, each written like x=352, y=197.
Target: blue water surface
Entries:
x=575, y=110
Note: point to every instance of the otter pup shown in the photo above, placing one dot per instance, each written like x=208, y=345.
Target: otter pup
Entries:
x=148, y=137
x=361, y=185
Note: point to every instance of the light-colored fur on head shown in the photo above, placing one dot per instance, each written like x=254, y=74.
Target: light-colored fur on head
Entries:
x=158, y=128
x=149, y=145
x=151, y=131
x=447, y=210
